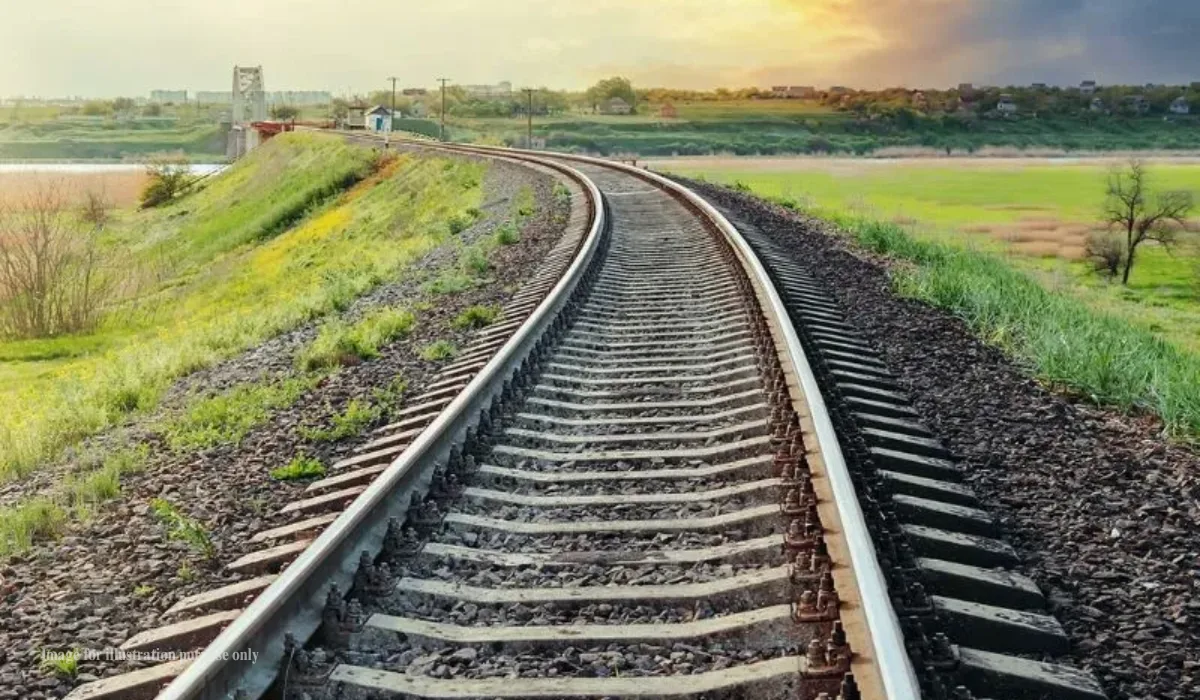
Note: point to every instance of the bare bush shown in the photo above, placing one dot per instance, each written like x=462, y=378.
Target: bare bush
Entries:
x=51, y=274
x=1107, y=253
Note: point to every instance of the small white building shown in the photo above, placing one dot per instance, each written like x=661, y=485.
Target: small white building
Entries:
x=1006, y=105
x=378, y=118
x=1087, y=87
x=1181, y=106
x=1097, y=105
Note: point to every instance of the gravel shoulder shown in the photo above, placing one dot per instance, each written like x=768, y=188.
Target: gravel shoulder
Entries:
x=1104, y=511
x=116, y=573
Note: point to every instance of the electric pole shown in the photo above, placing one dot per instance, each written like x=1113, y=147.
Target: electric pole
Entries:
x=529, y=123
x=391, y=117
x=443, y=81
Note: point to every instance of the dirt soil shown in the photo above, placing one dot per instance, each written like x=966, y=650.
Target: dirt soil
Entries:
x=115, y=575
x=1104, y=511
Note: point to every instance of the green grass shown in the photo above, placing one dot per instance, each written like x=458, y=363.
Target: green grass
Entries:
x=1063, y=342
x=270, y=244
x=62, y=664
x=507, y=234
x=956, y=203
x=301, y=467
x=439, y=351
x=339, y=343
x=35, y=519
x=227, y=417
x=183, y=528
x=476, y=317
x=357, y=416
x=45, y=516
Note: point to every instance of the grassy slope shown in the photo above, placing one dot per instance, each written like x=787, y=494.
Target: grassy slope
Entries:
x=222, y=270
x=1164, y=293
x=796, y=126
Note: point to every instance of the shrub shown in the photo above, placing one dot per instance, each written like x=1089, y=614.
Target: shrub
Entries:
x=52, y=274
x=1106, y=251
x=507, y=234
x=301, y=467
x=169, y=176
x=476, y=317
x=473, y=261
x=439, y=351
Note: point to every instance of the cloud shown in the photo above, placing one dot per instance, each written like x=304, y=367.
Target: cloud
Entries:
x=132, y=46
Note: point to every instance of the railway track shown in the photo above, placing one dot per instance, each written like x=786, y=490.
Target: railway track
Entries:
x=640, y=494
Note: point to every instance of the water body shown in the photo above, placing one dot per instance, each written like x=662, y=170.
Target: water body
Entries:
x=86, y=168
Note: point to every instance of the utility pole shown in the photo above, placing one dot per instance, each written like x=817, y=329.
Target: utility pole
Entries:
x=443, y=81
x=391, y=117
x=529, y=124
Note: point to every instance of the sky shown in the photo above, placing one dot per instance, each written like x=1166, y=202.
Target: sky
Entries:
x=129, y=47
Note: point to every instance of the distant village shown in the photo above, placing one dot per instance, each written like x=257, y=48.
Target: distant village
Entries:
x=374, y=111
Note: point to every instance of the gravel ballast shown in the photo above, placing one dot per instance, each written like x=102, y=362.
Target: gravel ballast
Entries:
x=1101, y=507
x=115, y=574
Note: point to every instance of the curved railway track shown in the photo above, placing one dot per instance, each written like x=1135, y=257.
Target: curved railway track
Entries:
x=635, y=489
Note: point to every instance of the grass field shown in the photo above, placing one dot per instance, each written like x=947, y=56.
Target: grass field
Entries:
x=1001, y=244
x=295, y=230
x=1036, y=214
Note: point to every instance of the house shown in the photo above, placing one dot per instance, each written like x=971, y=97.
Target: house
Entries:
x=668, y=111
x=378, y=118
x=1038, y=86
x=615, y=105
x=966, y=88
x=356, y=116
x=839, y=90
x=1097, y=105
x=414, y=92
x=1087, y=87
x=1181, y=106
x=1006, y=105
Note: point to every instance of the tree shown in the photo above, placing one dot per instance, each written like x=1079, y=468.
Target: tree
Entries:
x=152, y=110
x=1140, y=216
x=284, y=113
x=609, y=88
x=123, y=104
x=169, y=175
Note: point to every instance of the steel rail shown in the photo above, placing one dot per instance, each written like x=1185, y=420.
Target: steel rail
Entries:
x=293, y=602
x=894, y=666
x=262, y=626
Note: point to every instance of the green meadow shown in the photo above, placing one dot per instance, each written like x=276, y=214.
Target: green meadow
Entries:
x=293, y=232
x=1000, y=243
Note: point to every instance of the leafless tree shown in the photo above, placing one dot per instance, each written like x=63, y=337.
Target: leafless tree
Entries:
x=51, y=275
x=1140, y=215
